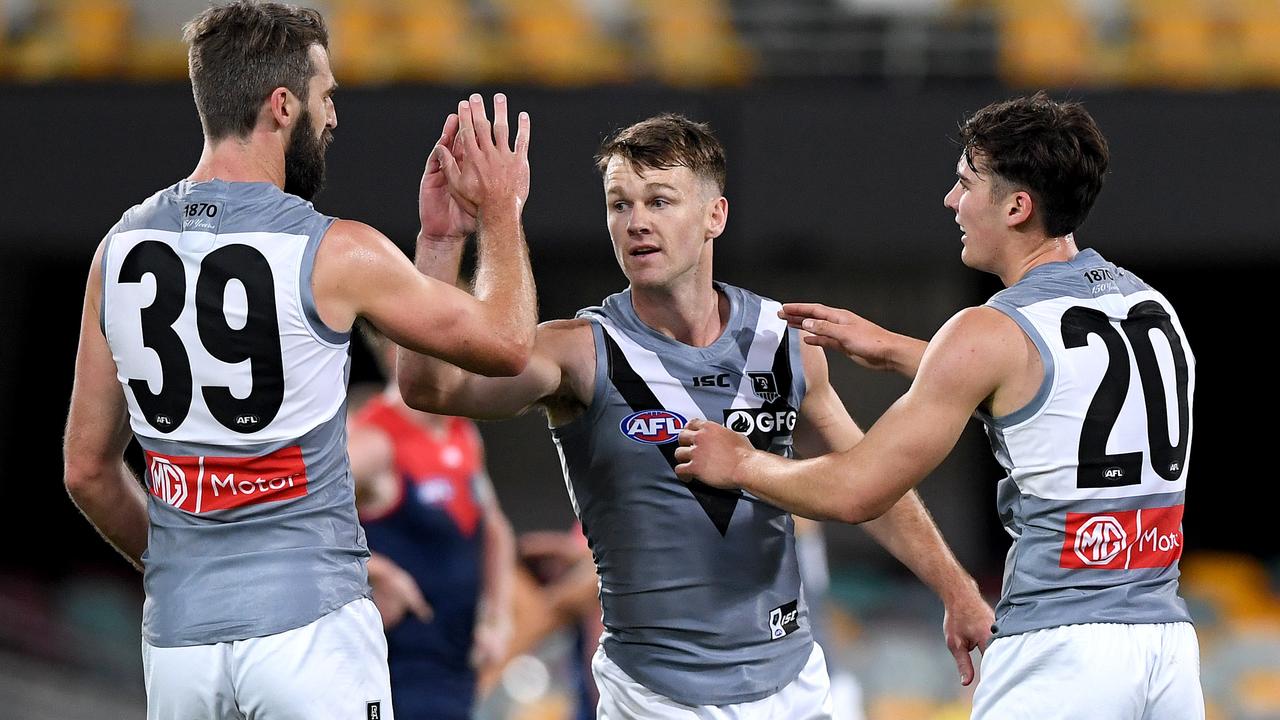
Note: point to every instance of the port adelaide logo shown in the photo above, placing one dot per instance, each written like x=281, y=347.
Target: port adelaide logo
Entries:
x=776, y=418
x=653, y=427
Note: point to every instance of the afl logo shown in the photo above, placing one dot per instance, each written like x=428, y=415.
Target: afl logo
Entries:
x=653, y=427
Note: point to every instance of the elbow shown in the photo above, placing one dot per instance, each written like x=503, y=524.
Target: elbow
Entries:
x=420, y=394
x=80, y=480
x=510, y=359
x=864, y=510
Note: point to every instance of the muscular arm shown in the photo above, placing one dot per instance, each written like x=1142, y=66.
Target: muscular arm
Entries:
x=906, y=529
x=863, y=341
x=358, y=272
x=561, y=371
x=976, y=352
x=97, y=433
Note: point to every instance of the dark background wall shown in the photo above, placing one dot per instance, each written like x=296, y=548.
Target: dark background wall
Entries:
x=835, y=194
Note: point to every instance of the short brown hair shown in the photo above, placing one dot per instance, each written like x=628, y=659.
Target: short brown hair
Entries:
x=1052, y=149
x=241, y=52
x=666, y=141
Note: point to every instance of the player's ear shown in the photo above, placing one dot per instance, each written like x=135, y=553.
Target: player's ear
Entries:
x=717, y=217
x=1019, y=208
x=283, y=107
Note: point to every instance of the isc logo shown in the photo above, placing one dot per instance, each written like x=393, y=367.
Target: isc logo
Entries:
x=652, y=427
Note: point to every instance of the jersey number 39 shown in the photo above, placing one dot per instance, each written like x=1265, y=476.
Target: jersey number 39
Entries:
x=258, y=341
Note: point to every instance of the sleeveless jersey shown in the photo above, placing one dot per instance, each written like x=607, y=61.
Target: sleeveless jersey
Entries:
x=236, y=391
x=433, y=532
x=700, y=587
x=1098, y=460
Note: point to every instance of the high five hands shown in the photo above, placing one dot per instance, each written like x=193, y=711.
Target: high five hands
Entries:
x=473, y=169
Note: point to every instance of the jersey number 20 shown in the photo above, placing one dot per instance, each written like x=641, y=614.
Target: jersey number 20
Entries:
x=1096, y=468
x=258, y=341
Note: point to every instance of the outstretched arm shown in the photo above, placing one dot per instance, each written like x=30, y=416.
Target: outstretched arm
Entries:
x=97, y=479
x=906, y=530
x=561, y=371
x=968, y=360
x=863, y=341
x=359, y=272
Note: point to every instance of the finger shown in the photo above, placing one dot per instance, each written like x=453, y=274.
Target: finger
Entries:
x=466, y=126
x=825, y=328
x=480, y=121
x=450, y=131
x=448, y=136
x=964, y=663
x=683, y=454
x=792, y=320
x=442, y=158
x=684, y=471
x=419, y=606
x=501, y=133
x=823, y=341
x=522, y=136
x=814, y=310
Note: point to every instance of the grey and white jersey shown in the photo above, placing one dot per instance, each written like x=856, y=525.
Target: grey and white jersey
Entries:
x=236, y=391
x=1098, y=460
x=700, y=587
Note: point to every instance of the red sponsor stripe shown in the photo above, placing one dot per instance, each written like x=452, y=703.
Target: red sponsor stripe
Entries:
x=201, y=484
x=1123, y=539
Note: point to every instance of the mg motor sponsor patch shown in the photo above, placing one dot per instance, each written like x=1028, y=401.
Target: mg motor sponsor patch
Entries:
x=199, y=484
x=1123, y=539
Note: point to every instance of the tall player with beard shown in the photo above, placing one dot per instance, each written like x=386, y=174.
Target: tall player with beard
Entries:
x=700, y=588
x=215, y=330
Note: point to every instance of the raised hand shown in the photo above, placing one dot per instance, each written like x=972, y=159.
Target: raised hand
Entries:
x=710, y=452
x=863, y=341
x=441, y=216
x=483, y=172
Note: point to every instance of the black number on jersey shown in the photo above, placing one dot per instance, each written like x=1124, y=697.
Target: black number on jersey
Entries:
x=164, y=411
x=258, y=341
x=1097, y=469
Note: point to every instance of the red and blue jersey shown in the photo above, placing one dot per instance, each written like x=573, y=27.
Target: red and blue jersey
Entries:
x=433, y=532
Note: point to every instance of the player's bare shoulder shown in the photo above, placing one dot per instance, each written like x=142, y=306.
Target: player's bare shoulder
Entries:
x=981, y=349
x=570, y=344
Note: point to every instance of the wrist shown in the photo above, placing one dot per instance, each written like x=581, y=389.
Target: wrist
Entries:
x=959, y=591
x=441, y=242
x=904, y=353
x=498, y=215
x=743, y=473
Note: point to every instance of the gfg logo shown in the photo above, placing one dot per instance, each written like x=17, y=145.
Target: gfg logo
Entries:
x=747, y=422
x=168, y=481
x=1100, y=540
x=653, y=427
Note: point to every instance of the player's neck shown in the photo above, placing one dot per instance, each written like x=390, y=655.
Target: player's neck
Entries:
x=1047, y=250
x=694, y=314
x=251, y=159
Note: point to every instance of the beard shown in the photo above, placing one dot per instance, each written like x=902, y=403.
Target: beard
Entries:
x=304, y=159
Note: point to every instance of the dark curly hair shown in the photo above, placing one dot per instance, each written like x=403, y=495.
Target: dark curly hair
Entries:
x=1054, y=150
